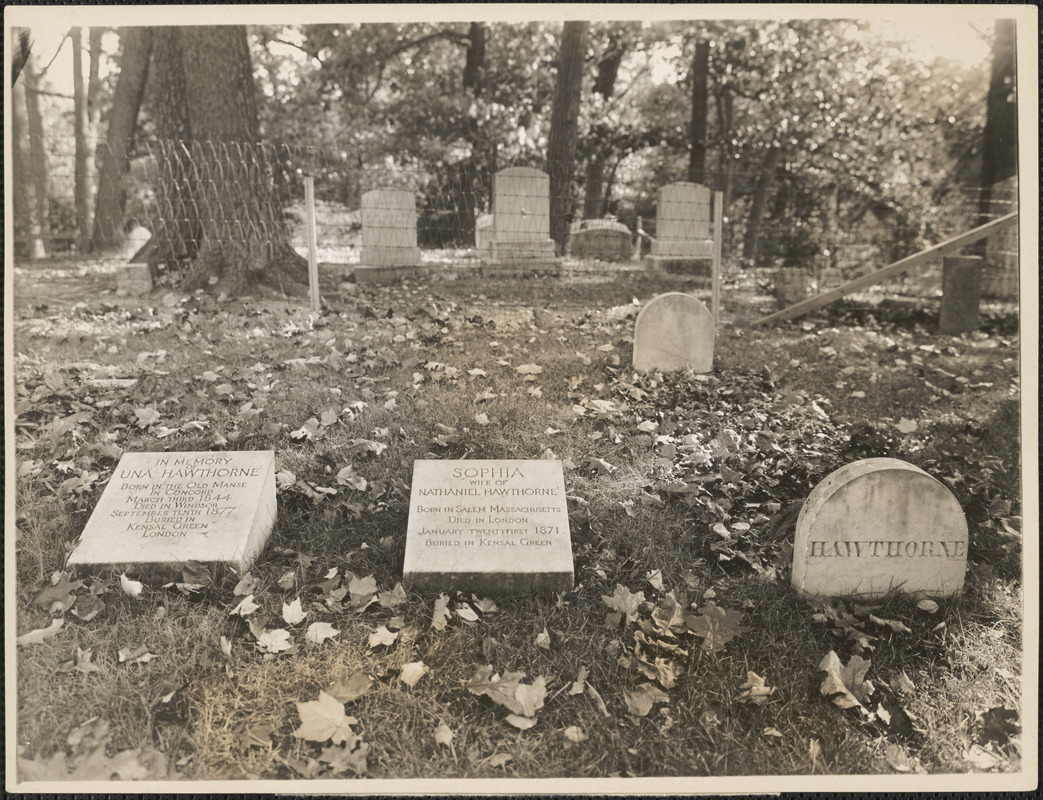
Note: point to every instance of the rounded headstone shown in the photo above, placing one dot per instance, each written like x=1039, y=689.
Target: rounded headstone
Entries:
x=876, y=526
x=674, y=331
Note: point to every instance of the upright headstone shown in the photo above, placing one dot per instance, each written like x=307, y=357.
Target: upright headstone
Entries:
x=161, y=510
x=389, y=237
x=683, y=228
x=491, y=527
x=876, y=526
x=674, y=331
x=521, y=220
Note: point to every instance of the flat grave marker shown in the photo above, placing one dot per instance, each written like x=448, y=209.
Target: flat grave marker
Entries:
x=674, y=331
x=490, y=527
x=878, y=525
x=162, y=510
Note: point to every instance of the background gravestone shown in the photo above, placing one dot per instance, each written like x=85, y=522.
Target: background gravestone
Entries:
x=389, y=237
x=683, y=224
x=877, y=525
x=492, y=527
x=521, y=219
x=674, y=331
x=604, y=239
x=161, y=510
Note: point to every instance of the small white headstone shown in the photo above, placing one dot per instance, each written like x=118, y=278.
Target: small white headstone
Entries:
x=491, y=527
x=674, y=331
x=389, y=229
x=683, y=222
x=879, y=525
x=161, y=510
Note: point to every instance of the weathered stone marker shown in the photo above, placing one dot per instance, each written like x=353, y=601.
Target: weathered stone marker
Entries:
x=879, y=525
x=519, y=236
x=674, y=331
x=161, y=510
x=492, y=527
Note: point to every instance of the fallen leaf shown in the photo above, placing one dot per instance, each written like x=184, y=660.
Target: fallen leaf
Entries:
x=135, y=655
x=130, y=587
x=351, y=687
x=529, y=369
x=575, y=734
x=87, y=607
x=81, y=662
x=508, y=690
x=899, y=760
x=394, y=598
x=624, y=601
x=641, y=699
x=578, y=685
x=440, y=614
x=716, y=625
x=756, y=691
x=258, y=735
x=57, y=597
x=382, y=637
x=324, y=720
x=465, y=612
x=895, y=625
x=319, y=632
x=907, y=425
x=543, y=639
x=655, y=577
x=443, y=735
x=520, y=722
x=343, y=757
x=275, y=641
x=245, y=607
x=412, y=672
x=292, y=613
x=848, y=683
x=481, y=419
x=929, y=606
x=146, y=416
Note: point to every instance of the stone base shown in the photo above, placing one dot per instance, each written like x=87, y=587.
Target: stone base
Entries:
x=373, y=275
x=677, y=265
x=134, y=281
x=390, y=256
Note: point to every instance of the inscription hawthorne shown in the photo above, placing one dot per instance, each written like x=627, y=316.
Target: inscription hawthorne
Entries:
x=888, y=549
x=492, y=545
x=166, y=508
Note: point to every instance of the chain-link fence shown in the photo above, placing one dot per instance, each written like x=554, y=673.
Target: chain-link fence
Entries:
x=174, y=197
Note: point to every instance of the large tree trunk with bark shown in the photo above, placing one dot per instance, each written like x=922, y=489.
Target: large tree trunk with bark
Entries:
x=130, y=88
x=84, y=158
x=1000, y=139
x=700, y=111
x=765, y=179
x=216, y=174
x=561, y=146
x=40, y=176
x=594, y=188
x=28, y=242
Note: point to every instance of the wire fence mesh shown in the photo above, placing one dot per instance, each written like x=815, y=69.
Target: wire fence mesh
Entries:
x=181, y=196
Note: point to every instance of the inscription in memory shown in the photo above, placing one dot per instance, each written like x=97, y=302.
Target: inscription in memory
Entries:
x=169, y=508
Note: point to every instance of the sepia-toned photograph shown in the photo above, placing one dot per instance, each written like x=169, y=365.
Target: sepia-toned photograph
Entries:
x=521, y=399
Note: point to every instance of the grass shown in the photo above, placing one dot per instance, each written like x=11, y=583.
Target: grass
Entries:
x=407, y=353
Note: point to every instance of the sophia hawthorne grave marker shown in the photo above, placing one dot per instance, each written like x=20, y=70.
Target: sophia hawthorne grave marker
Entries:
x=161, y=510
x=492, y=527
x=878, y=525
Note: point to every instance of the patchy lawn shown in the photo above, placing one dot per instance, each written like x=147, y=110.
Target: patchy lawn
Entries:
x=682, y=650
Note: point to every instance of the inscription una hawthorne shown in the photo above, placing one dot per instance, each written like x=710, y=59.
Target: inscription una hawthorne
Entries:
x=883, y=548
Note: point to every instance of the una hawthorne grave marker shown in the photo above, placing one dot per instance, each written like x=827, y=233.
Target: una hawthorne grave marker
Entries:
x=161, y=510
x=674, y=331
x=494, y=527
x=877, y=525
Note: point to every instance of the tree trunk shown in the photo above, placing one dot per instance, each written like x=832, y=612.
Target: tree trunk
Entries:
x=130, y=88
x=594, y=194
x=28, y=243
x=81, y=131
x=760, y=198
x=463, y=186
x=40, y=223
x=561, y=146
x=216, y=172
x=1000, y=139
x=700, y=111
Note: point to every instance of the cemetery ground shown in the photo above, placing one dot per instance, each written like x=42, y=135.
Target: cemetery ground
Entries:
x=682, y=650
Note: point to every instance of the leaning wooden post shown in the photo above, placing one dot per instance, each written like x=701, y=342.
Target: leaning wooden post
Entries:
x=313, y=247
x=718, y=220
